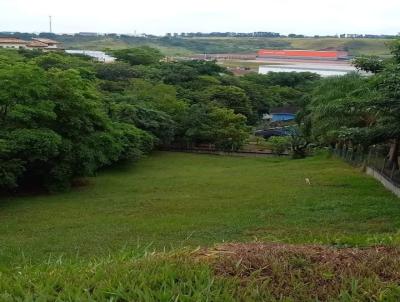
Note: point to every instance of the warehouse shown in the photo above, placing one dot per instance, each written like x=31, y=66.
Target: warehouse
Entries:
x=324, y=70
x=303, y=54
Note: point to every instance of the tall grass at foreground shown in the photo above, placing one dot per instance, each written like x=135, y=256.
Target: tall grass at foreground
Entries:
x=291, y=275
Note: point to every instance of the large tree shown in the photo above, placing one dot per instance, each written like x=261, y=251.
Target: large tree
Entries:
x=361, y=111
x=143, y=55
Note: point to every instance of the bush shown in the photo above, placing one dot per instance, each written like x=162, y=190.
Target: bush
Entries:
x=279, y=144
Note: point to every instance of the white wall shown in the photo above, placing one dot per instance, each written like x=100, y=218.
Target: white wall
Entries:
x=324, y=72
x=17, y=46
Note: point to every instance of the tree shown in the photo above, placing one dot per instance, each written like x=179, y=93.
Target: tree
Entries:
x=54, y=128
x=117, y=71
x=143, y=55
x=219, y=126
x=231, y=97
x=360, y=112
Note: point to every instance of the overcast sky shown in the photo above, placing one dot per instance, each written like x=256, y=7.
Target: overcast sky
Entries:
x=160, y=16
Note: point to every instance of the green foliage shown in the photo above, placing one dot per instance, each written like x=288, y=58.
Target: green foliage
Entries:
x=357, y=110
x=117, y=71
x=372, y=64
x=158, y=123
x=61, y=61
x=219, y=126
x=279, y=144
x=78, y=115
x=231, y=97
x=142, y=55
x=54, y=126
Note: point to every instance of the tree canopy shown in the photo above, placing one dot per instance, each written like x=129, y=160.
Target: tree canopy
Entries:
x=66, y=116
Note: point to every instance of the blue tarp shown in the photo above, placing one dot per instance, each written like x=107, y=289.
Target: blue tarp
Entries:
x=278, y=117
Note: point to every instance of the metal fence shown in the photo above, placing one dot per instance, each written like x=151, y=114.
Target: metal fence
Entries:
x=376, y=158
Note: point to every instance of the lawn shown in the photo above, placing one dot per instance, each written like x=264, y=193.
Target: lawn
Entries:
x=176, y=199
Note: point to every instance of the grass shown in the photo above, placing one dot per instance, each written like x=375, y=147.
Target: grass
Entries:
x=234, y=272
x=355, y=47
x=173, y=199
x=97, y=243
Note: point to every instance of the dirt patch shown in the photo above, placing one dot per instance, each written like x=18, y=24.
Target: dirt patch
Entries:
x=304, y=272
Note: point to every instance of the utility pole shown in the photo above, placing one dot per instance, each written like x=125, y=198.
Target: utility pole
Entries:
x=51, y=30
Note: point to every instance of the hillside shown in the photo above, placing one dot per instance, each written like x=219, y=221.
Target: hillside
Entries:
x=183, y=46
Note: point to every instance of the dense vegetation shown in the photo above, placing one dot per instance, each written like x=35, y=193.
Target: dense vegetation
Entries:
x=358, y=112
x=63, y=117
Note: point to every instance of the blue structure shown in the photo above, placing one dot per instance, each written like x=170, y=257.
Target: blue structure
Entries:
x=282, y=117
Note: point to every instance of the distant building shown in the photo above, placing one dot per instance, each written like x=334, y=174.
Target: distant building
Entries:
x=324, y=71
x=99, y=56
x=303, y=54
x=278, y=122
x=49, y=42
x=12, y=43
x=224, y=56
x=35, y=43
x=88, y=34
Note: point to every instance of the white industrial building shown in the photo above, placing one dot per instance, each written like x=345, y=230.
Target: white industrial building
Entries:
x=100, y=56
x=325, y=70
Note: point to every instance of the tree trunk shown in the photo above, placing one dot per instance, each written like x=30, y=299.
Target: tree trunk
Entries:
x=393, y=156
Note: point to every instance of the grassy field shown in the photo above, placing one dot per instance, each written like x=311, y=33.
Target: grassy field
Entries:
x=172, y=200
x=106, y=233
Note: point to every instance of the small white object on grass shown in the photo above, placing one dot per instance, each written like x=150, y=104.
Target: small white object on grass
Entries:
x=308, y=182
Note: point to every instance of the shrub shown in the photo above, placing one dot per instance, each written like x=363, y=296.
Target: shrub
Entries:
x=279, y=144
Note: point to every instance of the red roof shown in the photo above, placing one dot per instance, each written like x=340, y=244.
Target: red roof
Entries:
x=297, y=53
x=47, y=41
x=37, y=44
x=12, y=41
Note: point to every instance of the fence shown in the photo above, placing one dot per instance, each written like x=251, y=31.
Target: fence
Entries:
x=376, y=159
x=247, y=150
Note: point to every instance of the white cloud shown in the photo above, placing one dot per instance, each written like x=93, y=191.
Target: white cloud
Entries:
x=160, y=16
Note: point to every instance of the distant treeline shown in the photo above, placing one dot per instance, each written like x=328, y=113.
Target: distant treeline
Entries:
x=275, y=35
x=258, y=34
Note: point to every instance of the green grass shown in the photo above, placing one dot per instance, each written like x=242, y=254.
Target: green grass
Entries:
x=96, y=243
x=355, y=46
x=247, y=273
x=174, y=199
